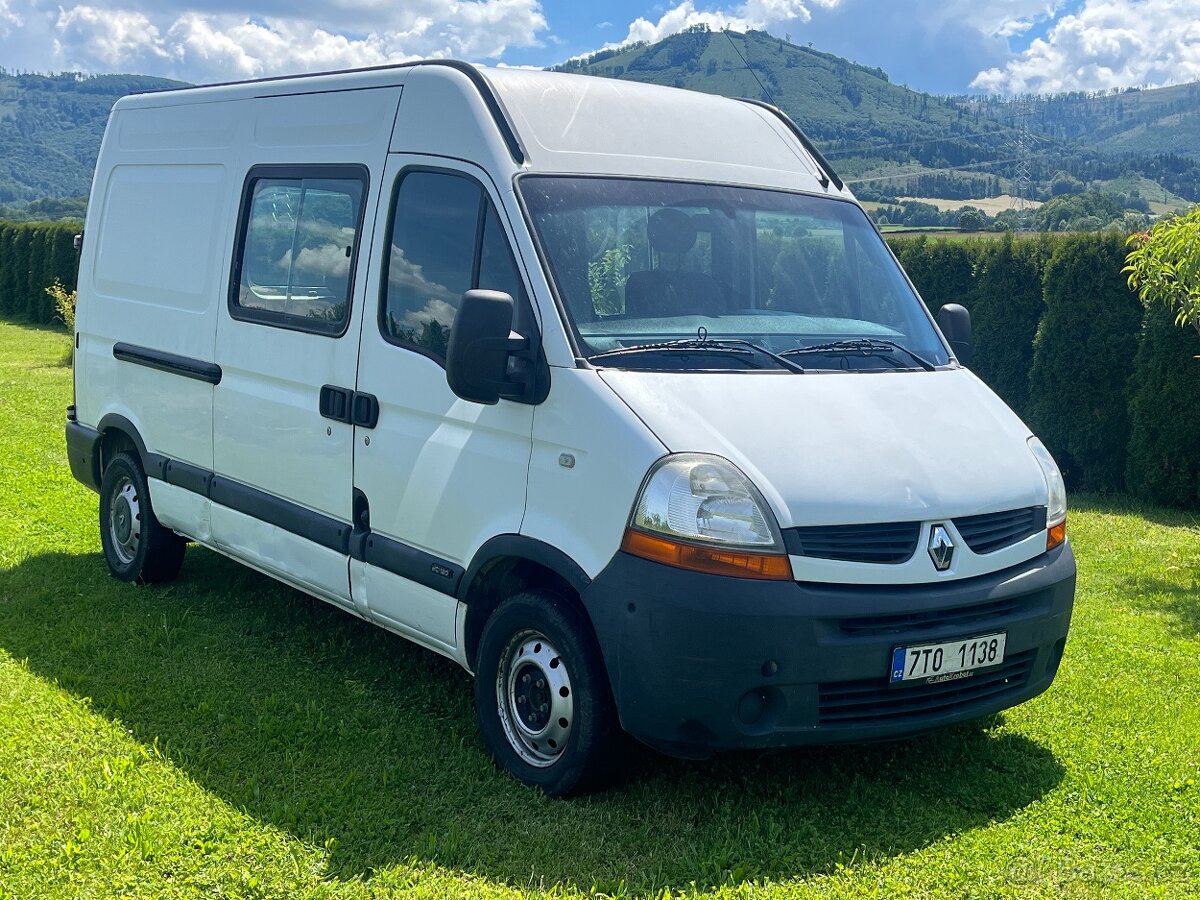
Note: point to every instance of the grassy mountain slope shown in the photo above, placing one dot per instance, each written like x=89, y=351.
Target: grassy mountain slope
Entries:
x=871, y=128
x=851, y=111
x=50, y=130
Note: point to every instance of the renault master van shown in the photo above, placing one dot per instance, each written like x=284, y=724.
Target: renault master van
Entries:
x=609, y=392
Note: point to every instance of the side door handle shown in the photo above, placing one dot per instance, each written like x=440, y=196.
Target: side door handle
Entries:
x=364, y=410
x=336, y=403
x=348, y=406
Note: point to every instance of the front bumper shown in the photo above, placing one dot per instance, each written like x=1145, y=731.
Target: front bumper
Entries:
x=701, y=663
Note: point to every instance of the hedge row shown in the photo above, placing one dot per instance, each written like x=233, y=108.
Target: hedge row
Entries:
x=32, y=255
x=1112, y=389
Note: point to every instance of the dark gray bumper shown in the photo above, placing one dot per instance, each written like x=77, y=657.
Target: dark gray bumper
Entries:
x=700, y=663
x=83, y=454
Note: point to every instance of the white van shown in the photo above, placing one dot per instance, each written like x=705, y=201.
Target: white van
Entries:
x=609, y=392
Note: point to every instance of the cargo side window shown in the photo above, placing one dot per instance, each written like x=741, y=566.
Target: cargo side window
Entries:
x=297, y=246
x=445, y=239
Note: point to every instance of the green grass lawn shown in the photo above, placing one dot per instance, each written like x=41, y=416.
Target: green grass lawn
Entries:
x=226, y=736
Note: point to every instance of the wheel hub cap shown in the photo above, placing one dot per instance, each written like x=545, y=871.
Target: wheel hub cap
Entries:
x=535, y=699
x=125, y=521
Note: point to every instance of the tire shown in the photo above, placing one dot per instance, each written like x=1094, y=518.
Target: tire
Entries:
x=136, y=545
x=543, y=698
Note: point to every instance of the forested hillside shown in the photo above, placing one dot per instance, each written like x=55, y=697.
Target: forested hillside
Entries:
x=50, y=130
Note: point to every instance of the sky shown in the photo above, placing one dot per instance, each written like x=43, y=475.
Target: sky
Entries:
x=940, y=46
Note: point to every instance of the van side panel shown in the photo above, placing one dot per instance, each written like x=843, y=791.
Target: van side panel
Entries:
x=151, y=280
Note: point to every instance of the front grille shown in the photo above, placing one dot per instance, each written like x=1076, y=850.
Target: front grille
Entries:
x=995, y=531
x=898, y=623
x=890, y=542
x=872, y=700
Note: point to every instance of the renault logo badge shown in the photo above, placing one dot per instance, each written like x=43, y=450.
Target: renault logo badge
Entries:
x=941, y=547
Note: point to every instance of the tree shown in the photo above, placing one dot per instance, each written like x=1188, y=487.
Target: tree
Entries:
x=1163, y=266
x=971, y=219
x=1082, y=359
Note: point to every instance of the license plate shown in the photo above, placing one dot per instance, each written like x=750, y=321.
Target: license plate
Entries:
x=951, y=661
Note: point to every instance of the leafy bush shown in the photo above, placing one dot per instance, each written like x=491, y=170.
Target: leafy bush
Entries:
x=1164, y=266
x=64, y=303
x=1164, y=411
x=1082, y=359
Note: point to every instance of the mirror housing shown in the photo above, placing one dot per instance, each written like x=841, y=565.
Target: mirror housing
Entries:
x=481, y=343
x=955, y=322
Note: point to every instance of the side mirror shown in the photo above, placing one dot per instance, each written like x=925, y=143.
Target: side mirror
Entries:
x=955, y=322
x=481, y=341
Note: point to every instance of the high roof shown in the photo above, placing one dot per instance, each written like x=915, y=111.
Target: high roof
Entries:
x=559, y=122
x=583, y=123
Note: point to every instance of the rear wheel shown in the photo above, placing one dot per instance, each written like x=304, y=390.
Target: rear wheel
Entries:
x=136, y=545
x=545, y=707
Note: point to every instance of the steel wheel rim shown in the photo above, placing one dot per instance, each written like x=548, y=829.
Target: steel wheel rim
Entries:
x=125, y=521
x=535, y=699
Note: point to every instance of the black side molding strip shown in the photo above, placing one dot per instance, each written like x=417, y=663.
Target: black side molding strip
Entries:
x=409, y=562
x=360, y=544
x=185, y=475
x=186, y=366
x=808, y=145
x=292, y=517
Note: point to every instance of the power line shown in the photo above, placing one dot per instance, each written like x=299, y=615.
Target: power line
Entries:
x=761, y=86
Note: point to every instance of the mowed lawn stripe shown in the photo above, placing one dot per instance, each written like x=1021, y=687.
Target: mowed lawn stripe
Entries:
x=227, y=736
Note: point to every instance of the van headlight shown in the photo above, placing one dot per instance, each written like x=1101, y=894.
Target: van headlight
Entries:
x=698, y=511
x=1056, y=502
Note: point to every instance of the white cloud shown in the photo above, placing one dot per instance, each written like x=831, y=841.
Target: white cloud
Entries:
x=8, y=19
x=1008, y=19
x=749, y=14
x=1107, y=43
x=227, y=40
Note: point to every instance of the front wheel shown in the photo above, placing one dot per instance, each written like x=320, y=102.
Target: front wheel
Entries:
x=137, y=547
x=542, y=695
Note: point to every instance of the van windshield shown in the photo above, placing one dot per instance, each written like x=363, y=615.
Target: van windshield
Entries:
x=652, y=273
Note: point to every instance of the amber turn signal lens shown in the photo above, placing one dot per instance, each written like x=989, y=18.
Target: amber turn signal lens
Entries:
x=1056, y=534
x=711, y=560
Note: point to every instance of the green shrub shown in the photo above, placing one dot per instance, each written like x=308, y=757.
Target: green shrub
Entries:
x=1164, y=411
x=33, y=255
x=1006, y=306
x=64, y=303
x=1082, y=359
x=941, y=270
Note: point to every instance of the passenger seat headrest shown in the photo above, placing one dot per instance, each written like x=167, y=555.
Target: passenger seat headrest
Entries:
x=671, y=231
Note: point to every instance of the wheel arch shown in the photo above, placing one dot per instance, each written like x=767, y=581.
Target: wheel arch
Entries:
x=118, y=434
x=509, y=563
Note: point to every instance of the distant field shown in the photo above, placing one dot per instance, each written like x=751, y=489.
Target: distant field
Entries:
x=990, y=205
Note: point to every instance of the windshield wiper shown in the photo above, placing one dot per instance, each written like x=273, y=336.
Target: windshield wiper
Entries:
x=703, y=344
x=865, y=346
